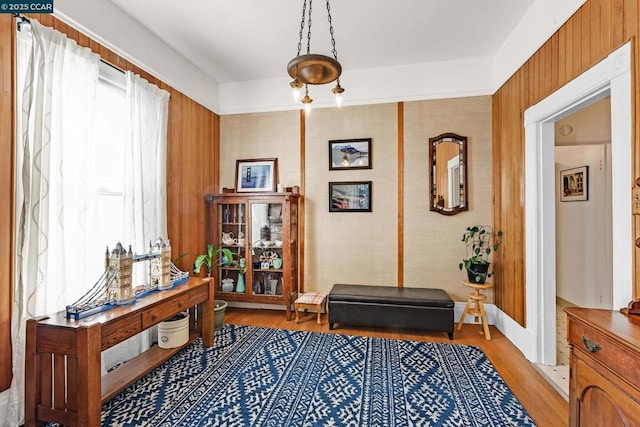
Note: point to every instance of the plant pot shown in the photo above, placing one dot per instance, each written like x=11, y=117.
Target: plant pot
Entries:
x=218, y=313
x=477, y=273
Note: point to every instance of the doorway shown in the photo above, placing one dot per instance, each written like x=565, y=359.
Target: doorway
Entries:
x=611, y=77
x=582, y=157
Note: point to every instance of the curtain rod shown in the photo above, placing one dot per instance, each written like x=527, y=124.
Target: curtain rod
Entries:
x=22, y=20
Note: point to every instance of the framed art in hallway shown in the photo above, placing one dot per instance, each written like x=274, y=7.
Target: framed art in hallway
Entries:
x=256, y=175
x=354, y=196
x=350, y=154
x=574, y=184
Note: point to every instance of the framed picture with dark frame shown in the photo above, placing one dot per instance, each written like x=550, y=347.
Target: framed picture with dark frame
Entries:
x=574, y=184
x=350, y=154
x=256, y=175
x=352, y=196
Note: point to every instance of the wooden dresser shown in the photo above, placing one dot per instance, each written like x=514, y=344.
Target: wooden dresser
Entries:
x=62, y=359
x=604, y=385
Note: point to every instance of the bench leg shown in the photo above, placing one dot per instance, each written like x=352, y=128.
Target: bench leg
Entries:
x=450, y=335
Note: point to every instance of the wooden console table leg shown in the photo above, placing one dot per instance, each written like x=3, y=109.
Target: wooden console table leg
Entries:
x=205, y=309
x=88, y=387
x=31, y=383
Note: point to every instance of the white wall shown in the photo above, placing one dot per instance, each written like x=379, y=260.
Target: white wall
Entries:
x=583, y=230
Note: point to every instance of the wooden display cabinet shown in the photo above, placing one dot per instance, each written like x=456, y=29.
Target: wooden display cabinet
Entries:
x=262, y=229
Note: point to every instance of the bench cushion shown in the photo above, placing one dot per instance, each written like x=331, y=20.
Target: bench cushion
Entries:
x=423, y=297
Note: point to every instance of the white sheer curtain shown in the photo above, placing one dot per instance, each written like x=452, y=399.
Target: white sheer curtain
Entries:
x=145, y=193
x=52, y=181
x=145, y=190
x=56, y=187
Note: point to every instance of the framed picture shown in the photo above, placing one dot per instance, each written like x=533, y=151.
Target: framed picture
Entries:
x=350, y=154
x=574, y=184
x=352, y=196
x=254, y=175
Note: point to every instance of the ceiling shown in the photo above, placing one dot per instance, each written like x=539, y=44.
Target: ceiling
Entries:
x=231, y=55
x=240, y=40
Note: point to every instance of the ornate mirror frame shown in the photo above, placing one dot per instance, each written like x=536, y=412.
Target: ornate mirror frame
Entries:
x=448, y=189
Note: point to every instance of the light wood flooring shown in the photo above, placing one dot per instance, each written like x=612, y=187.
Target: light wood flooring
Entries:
x=540, y=399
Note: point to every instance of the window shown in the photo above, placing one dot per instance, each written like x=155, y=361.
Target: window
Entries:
x=110, y=132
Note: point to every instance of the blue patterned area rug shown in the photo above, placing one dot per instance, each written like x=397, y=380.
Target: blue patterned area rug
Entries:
x=271, y=377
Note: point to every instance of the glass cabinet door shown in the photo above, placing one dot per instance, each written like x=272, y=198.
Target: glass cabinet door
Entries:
x=232, y=234
x=267, y=258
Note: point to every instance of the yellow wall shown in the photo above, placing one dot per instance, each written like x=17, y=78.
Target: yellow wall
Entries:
x=433, y=248
x=257, y=136
x=361, y=248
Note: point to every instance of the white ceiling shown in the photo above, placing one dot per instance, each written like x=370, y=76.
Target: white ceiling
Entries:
x=231, y=55
x=241, y=40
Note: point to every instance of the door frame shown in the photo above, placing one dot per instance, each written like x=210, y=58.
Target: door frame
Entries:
x=610, y=77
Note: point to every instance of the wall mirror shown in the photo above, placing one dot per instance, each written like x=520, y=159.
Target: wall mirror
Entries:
x=448, y=178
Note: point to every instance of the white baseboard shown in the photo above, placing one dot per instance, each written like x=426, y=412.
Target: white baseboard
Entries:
x=524, y=339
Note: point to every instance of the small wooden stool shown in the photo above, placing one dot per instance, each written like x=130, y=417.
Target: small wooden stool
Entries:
x=477, y=300
x=315, y=300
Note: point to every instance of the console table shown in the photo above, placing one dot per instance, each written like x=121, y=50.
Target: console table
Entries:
x=62, y=361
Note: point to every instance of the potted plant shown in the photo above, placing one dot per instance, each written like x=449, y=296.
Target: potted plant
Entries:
x=209, y=260
x=480, y=241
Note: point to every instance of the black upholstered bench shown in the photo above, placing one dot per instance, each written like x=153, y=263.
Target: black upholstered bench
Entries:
x=390, y=306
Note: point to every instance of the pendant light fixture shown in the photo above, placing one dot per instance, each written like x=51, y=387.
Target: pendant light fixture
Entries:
x=312, y=68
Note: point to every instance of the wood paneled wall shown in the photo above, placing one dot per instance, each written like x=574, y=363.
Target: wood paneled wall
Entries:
x=192, y=165
x=590, y=35
x=6, y=195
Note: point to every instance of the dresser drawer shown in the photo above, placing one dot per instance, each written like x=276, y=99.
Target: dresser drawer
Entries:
x=611, y=354
x=174, y=305
x=121, y=329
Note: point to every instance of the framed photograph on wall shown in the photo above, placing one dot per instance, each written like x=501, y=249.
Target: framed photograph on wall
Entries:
x=255, y=175
x=574, y=184
x=350, y=154
x=354, y=196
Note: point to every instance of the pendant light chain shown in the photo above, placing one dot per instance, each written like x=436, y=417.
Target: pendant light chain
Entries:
x=309, y=28
x=333, y=41
x=304, y=11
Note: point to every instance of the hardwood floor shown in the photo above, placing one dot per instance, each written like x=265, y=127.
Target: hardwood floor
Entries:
x=539, y=398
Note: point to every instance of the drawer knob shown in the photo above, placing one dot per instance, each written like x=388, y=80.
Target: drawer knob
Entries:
x=590, y=345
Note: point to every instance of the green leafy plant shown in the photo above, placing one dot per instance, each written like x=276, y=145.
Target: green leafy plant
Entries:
x=480, y=241
x=210, y=258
